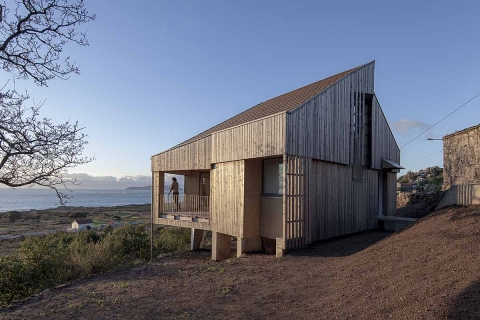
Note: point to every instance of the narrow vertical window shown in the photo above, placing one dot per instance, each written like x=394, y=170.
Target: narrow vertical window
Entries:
x=273, y=176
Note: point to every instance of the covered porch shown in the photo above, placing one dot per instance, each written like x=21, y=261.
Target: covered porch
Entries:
x=192, y=204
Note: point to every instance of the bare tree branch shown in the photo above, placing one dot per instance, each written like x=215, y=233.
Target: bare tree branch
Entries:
x=35, y=151
x=34, y=33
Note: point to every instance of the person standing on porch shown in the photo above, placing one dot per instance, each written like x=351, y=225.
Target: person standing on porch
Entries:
x=174, y=189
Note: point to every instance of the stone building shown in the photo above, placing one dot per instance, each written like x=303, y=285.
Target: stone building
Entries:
x=461, y=157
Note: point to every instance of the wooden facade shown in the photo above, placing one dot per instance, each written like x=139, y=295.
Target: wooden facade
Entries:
x=227, y=198
x=322, y=127
x=332, y=144
x=193, y=156
x=255, y=139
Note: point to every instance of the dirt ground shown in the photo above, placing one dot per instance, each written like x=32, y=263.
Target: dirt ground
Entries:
x=429, y=271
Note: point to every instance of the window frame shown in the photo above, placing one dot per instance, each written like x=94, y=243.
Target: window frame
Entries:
x=273, y=195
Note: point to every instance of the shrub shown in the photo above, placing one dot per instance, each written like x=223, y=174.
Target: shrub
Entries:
x=89, y=257
x=44, y=258
x=437, y=182
x=14, y=216
x=46, y=261
x=76, y=215
x=171, y=239
x=15, y=281
x=130, y=241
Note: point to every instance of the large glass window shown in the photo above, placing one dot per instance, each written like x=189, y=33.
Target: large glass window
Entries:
x=273, y=176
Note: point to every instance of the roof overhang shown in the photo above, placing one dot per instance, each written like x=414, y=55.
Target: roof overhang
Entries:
x=391, y=165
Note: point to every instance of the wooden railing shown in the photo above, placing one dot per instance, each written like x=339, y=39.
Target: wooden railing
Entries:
x=184, y=204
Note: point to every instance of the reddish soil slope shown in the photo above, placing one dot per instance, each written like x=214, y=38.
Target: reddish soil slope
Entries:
x=429, y=271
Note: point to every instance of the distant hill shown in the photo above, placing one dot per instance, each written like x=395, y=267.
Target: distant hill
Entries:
x=139, y=188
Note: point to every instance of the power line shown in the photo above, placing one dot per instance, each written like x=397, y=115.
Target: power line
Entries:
x=424, y=158
x=478, y=94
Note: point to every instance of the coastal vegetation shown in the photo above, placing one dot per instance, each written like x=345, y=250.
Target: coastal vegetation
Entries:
x=44, y=262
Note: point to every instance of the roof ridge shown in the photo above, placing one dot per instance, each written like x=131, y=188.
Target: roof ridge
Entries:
x=281, y=103
x=316, y=82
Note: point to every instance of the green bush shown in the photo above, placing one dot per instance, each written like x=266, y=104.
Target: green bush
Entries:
x=130, y=241
x=77, y=215
x=14, y=216
x=44, y=258
x=15, y=281
x=437, y=181
x=171, y=239
x=46, y=261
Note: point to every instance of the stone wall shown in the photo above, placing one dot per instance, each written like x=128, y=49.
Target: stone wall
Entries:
x=461, y=157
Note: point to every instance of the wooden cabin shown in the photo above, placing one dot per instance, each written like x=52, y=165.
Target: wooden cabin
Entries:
x=314, y=163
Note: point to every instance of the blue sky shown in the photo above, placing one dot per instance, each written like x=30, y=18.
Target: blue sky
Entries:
x=159, y=72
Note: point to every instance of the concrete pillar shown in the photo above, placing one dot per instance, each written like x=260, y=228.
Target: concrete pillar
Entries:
x=196, y=238
x=280, y=251
x=252, y=244
x=221, y=246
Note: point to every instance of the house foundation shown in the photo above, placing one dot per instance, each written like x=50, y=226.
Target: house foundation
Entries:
x=196, y=238
x=245, y=245
x=221, y=246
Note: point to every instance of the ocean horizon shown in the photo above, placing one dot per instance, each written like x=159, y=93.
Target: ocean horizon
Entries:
x=23, y=199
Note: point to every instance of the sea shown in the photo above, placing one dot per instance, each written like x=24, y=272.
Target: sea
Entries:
x=26, y=199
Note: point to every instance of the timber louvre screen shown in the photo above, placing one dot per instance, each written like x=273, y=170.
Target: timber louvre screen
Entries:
x=357, y=128
x=296, y=197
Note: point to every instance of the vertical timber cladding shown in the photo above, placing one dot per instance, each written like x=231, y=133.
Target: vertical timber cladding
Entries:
x=295, y=220
x=322, y=201
x=195, y=155
x=358, y=105
x=260, y=138
x=340, y=205
x=383, y=141
x=321, y=128
x=227, y=182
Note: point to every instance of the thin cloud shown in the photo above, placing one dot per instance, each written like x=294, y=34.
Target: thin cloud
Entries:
x=86, y=181
x=406, y=126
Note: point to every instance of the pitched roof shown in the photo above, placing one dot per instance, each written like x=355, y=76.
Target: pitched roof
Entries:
x=285, y=102
x=83, y=221
x=112, y=222
x=461, y=131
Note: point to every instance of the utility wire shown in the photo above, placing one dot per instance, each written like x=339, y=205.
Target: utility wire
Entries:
x=478, y=94
x=424, y=158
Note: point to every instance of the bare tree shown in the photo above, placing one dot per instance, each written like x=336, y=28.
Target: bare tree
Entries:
x=33, y=34
x=33, y=150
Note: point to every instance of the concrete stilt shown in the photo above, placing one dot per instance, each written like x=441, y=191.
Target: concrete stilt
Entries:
x=252, y=244
x=196, y=238
x=280, y=251
x=221, y=246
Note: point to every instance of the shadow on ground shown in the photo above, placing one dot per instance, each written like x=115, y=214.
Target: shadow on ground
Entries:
x=467, y=304
x=342, y=246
